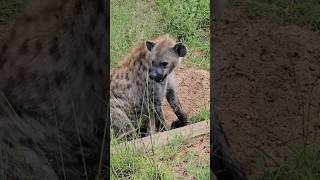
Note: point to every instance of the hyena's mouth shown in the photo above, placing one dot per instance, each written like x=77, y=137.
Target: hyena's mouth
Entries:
x=158, y=79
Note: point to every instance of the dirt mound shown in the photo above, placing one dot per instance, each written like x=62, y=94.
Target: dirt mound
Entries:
x=266, y=88
x=193, y=88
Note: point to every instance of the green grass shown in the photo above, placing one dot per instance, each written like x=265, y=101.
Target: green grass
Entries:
x=198, y=166
x=131, y=22
x=190, y=21
x=203, y=115
x=304, y=166
x=135, y=21
x=159, y=164
x=299, y=12
x=125, y=163
x=130, y=163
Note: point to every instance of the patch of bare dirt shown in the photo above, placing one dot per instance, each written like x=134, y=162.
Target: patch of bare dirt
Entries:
x=200, y=148
x=193, y=88
x=199, y=145
x=266, y=88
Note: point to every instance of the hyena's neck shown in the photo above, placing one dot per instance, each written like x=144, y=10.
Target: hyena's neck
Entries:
x=137, y=63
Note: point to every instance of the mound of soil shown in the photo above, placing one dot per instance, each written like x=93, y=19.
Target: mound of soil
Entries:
x=266, y=88
x=193, y=91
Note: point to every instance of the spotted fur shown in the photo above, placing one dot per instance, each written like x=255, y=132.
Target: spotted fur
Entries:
x=136, y=96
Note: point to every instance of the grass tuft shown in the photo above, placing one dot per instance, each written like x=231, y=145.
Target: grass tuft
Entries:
x=304, y=166
x=198, y=166
x=203, y=115
x=189, y=20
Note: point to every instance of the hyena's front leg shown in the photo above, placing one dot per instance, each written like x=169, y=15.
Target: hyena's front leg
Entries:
x=159, y=117
x=156, y=97
x=176, y=106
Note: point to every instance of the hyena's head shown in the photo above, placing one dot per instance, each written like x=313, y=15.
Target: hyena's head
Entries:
x=165, y=55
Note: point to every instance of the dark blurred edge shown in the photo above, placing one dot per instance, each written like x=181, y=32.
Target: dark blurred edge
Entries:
x=223, y=163
x=107, y=59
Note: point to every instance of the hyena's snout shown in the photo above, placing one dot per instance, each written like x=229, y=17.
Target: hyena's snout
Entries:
x=157, y=74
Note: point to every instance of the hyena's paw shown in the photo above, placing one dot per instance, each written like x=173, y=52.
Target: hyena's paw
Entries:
x=179, y=123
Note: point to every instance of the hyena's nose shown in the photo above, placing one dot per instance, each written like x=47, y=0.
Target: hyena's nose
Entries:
x=153, y=74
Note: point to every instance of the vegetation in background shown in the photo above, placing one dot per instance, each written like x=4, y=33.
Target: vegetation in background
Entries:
x=190, y=21
x=134, y=21
x=294, y=11
x=131, y=22
x=128, y=163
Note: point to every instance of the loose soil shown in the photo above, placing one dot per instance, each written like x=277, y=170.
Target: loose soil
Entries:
x=266, y=88
x=193, y=91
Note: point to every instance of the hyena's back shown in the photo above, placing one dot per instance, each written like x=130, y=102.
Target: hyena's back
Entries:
x=52, y=91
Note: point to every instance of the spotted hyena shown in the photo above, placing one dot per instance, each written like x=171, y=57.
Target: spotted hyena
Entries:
x=139, y=84
x=52, y=91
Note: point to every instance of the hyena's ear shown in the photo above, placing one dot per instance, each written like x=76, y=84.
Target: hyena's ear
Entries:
x=180, y=49
x=150, y=45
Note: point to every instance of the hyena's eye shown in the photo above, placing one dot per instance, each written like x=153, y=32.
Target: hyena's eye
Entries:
x=164, y=64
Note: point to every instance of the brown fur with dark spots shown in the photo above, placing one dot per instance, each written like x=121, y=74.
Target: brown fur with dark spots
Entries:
x=52, y=91
x=135, y=99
